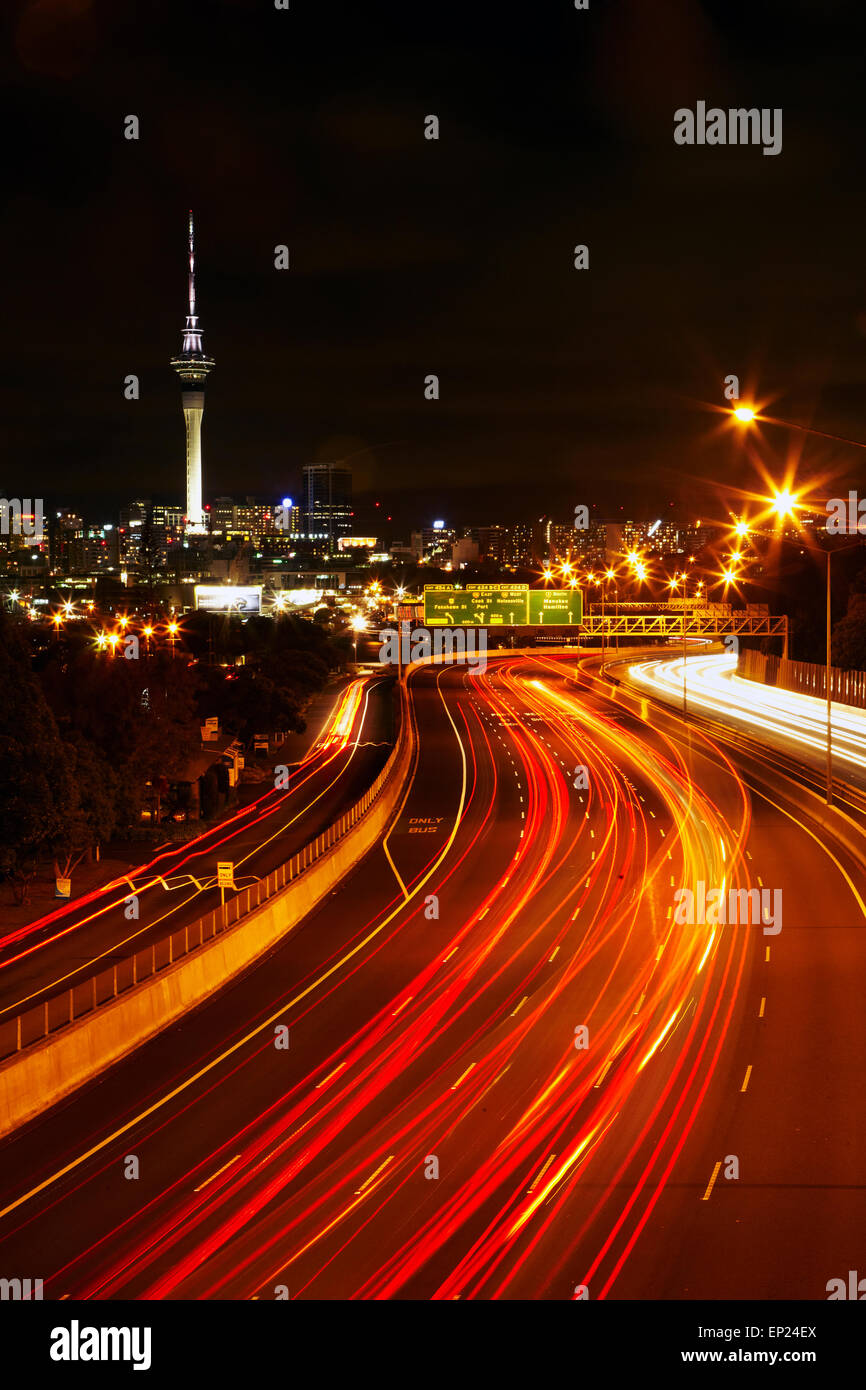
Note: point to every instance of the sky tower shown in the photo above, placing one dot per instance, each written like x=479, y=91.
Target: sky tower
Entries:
x=192, y=366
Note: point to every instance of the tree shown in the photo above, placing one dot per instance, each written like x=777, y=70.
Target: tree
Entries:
x=38, y=800
x=98, y=786
x=848, y=644
x=247, y=702
x=209, y=793
x=139, y=717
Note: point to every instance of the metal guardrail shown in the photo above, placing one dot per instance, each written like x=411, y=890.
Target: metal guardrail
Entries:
x=33, y=1025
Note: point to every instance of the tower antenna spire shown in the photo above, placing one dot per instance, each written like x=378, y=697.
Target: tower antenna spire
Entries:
x=192, y=332
x=191, y=268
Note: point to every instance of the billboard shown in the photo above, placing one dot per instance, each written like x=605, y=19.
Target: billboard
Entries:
x=500, y=605
x=229, y=598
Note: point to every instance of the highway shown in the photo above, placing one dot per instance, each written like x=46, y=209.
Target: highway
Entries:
x=40, y=960
x=784, y=719
x=511, y=1073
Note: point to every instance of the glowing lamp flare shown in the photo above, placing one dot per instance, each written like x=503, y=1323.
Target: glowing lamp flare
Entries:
x=784, y=503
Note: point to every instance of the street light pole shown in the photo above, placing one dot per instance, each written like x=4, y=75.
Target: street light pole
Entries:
x=829, y=700
x=829, y=679
x=745, y=414
x=828, y=676
x=685, y=710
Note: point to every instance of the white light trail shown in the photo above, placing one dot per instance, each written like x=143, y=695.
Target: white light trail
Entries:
x=786, y=718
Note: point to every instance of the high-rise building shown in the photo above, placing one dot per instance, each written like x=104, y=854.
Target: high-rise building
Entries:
x=517, y=547
x=167, y=522
x=67, y=542
x=249, y=521
x=253, y=519
x=222, y=515
x=464, y=552
x=433, y=543
x=287, y=518
x=192, y=366
x=327, y=501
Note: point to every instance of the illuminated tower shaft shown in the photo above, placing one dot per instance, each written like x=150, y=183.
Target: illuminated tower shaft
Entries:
x=193, y=409
x=192, y=366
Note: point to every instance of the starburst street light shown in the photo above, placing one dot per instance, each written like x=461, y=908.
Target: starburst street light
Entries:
x=358, y=624
x=785, y=503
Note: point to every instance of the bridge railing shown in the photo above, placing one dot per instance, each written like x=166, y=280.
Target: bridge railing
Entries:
x=805, y=677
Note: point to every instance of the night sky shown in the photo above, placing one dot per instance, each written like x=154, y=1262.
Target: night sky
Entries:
x=410, y=256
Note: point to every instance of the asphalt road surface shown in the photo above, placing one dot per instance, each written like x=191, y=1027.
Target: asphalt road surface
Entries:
x=509, y=1070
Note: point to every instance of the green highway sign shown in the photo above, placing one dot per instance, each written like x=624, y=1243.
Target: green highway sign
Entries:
x=556, y=607
x=480, y=605
x=500, y=605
